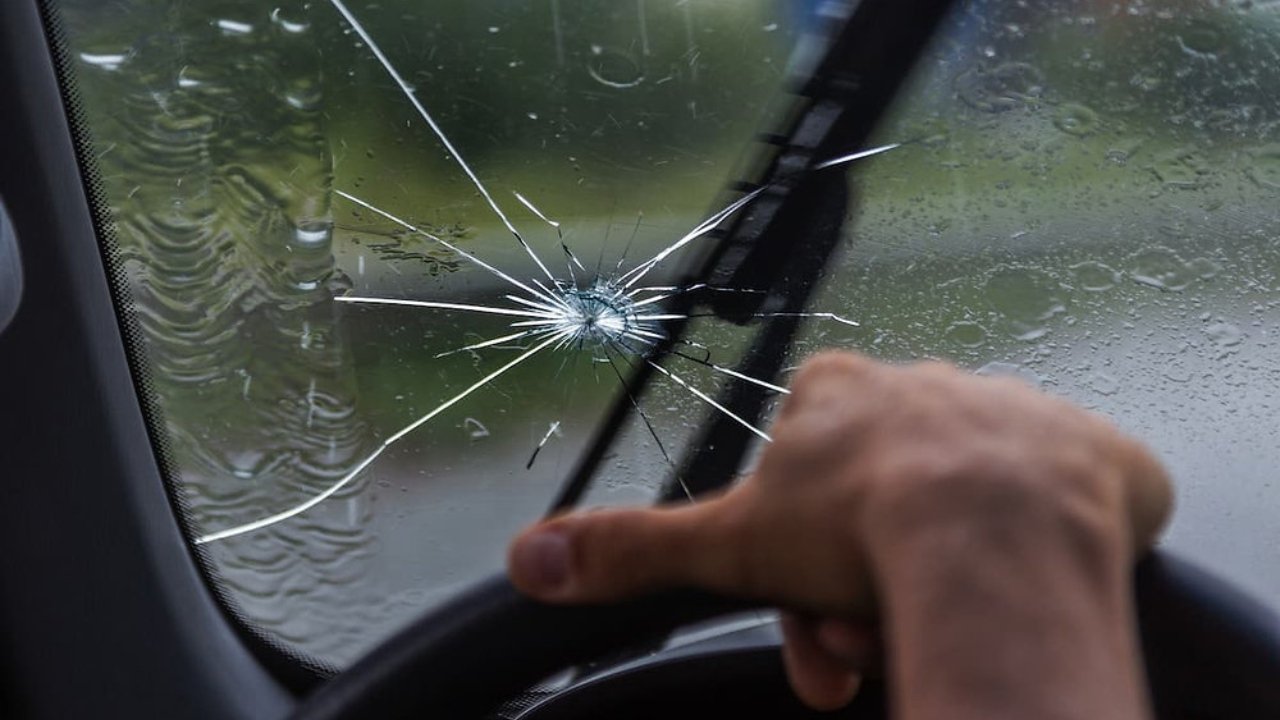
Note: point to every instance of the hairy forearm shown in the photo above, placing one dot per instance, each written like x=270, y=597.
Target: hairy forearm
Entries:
x=1005, y=620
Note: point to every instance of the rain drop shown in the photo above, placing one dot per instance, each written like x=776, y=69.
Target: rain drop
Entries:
x=613, y=69
x=966, y=334
x=1076, y=119
x=1160, y=267
x=1094, y=276
x=233, y=27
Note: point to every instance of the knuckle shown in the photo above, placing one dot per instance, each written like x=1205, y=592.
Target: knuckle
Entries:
x=831, y=384
x=833, y=363
x=937, y=370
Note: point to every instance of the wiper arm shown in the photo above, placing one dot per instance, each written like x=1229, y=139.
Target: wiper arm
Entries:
x=790, y=235
x=839, y=105
x=784, y=239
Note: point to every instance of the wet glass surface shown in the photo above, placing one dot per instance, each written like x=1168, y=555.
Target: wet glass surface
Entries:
x=1085, y=198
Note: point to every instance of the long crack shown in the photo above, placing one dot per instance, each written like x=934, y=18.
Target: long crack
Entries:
x=608, y=315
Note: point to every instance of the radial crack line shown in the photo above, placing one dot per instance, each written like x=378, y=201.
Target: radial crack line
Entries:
x=346, y=479
x=573, y=259
x=472, y=258
x=422, y=111
x=551, y=293
x=855, y=156
x=710, y=223
x=641, y=334
x=649, y=425
x=558, y=309
x=294, y=511
x=533, y=208
x=545, y=309
x=656, y=288
x=478, y=384
x=488, y=343
x=711, y=401
x=512, y=312
x=652, y=300
x=633, y=275
x=734, y=373
x=820, y=315
x=539, y=323
x=680, y=289
x=550, y=431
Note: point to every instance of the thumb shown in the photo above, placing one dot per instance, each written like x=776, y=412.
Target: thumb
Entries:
x=609, y=555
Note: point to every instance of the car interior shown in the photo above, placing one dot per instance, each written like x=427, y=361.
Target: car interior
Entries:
x=270, y=413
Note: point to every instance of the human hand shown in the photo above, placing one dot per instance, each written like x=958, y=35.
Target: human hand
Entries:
x=986, y=528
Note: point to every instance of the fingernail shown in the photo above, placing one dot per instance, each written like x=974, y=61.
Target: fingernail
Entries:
x=543, y=559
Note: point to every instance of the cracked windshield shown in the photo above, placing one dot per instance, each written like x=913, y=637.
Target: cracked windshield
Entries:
x=392, y=261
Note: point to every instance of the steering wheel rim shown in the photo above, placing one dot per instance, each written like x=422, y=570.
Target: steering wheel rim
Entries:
x=489, y=643
x=1211, y=651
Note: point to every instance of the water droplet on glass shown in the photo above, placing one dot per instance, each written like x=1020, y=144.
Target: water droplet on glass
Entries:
x=1264, y=166
x=313, y=233
x=1182, y=168
x=1224, y=334
x=613, y=69
x=1076, y=119
x=287, y=25
x=1201, y=41
x=1204, y=268
x=1026, y=297
x=1160, y=267
x=1001, y=88
x=186, y=79
x=1095, y=276
x=105, y=61
x=303, y=94
x=233, y=27
x=1008, y=369
x=966, y=334
x=1103, y=384
x=339, y=283
x=475, y=429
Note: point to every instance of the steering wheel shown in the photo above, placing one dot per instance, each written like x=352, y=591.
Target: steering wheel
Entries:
x=1211, y=652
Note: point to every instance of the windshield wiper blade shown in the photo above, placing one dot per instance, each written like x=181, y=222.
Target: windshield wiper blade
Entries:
x=784, y=239
x=838, y=106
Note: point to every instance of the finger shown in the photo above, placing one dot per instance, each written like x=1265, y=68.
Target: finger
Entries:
x=823, y=379
x=610, y=555
x=1151, y=496
x=819, y=679
x=857, y=644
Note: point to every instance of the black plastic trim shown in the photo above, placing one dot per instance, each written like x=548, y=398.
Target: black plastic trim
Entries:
x=10, y=270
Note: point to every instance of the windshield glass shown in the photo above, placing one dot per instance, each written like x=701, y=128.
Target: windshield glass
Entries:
x=283, y=176
x=391, y=261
